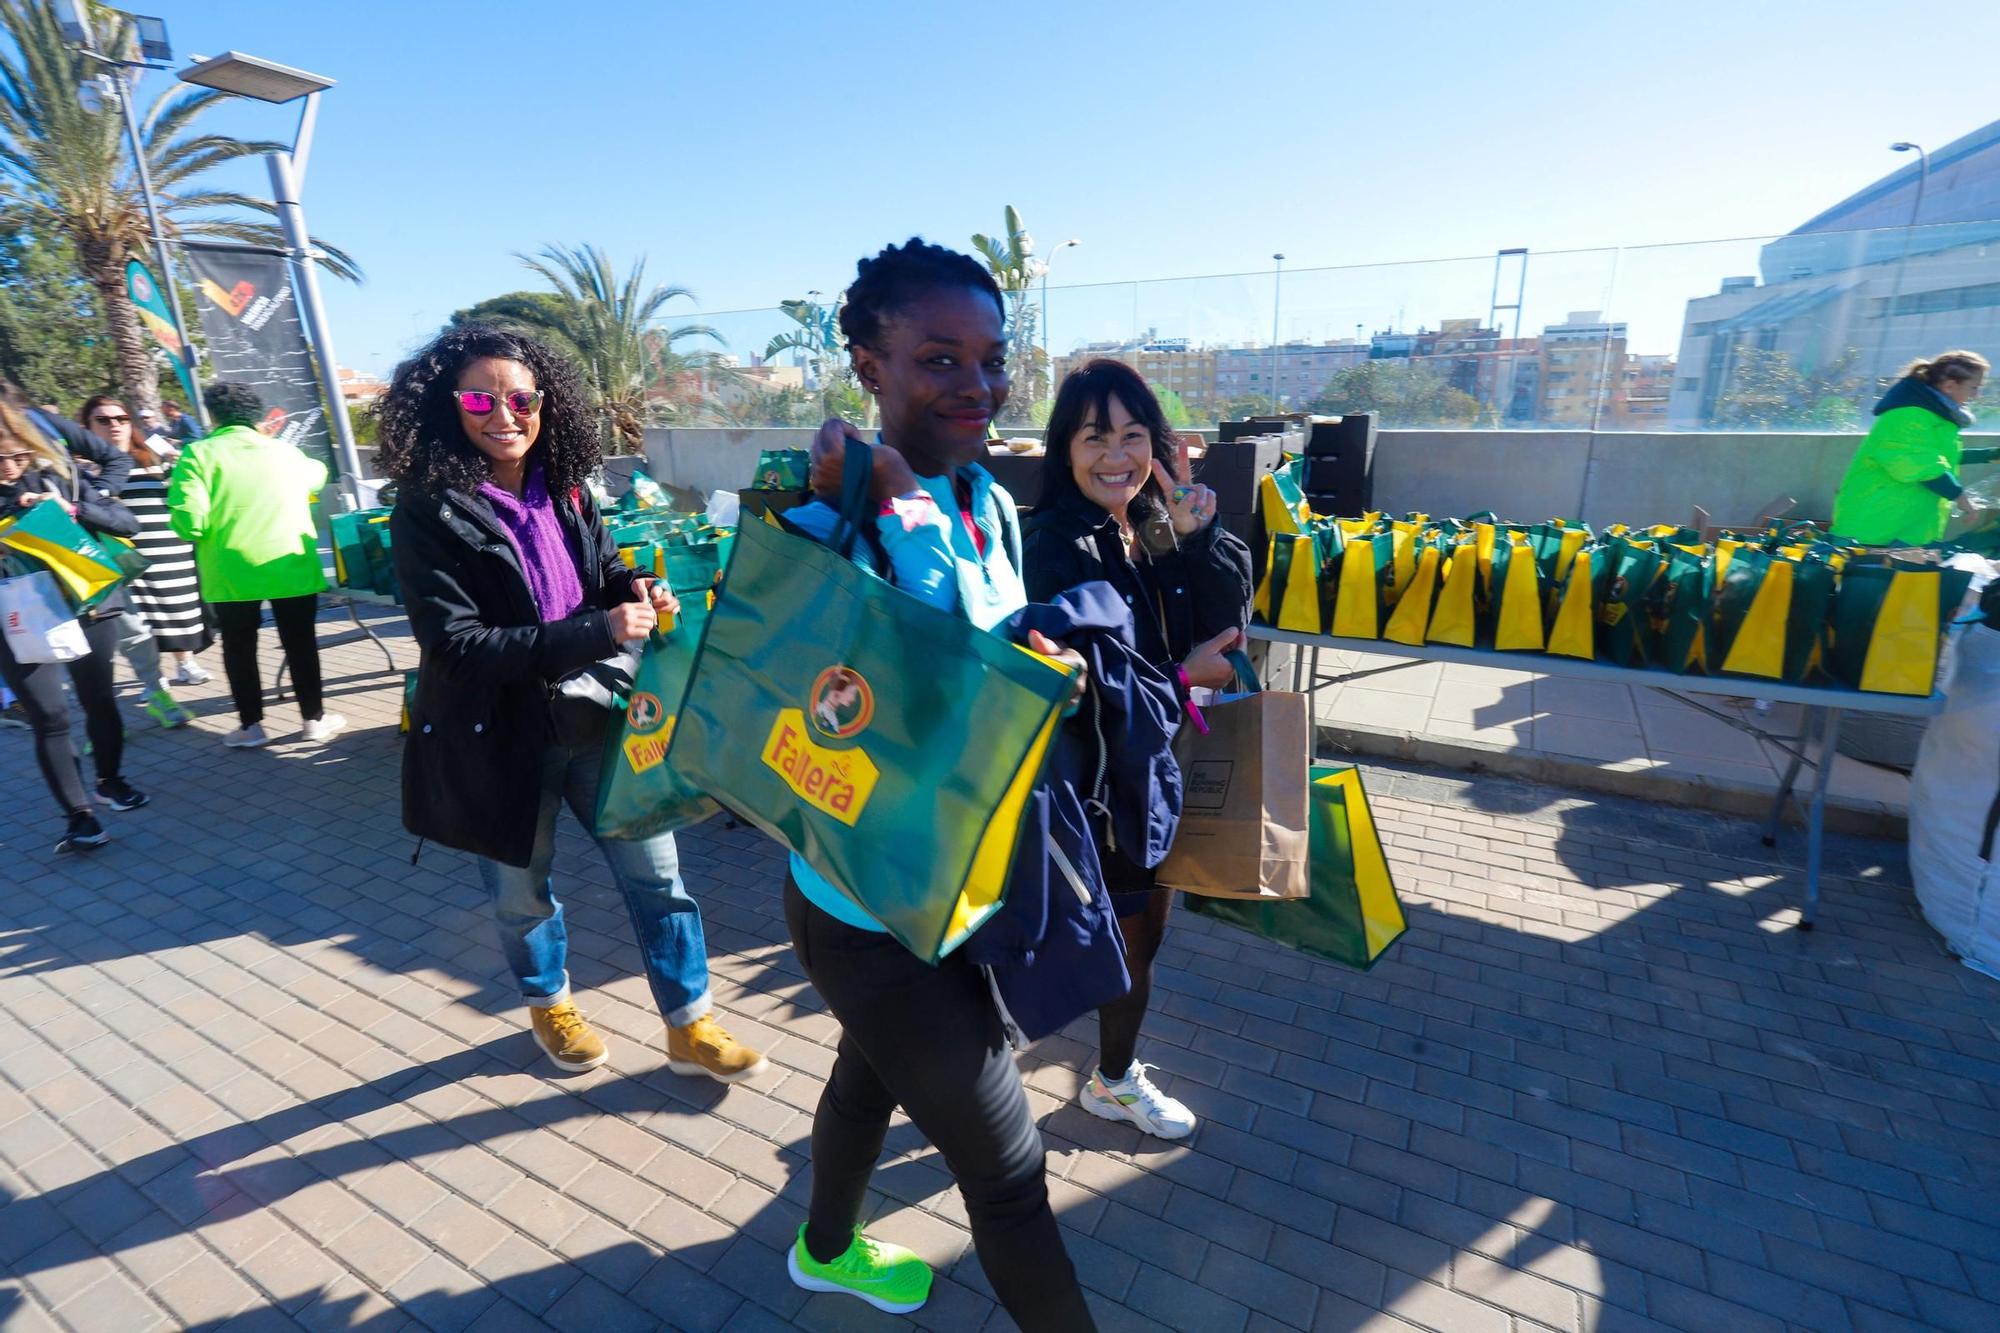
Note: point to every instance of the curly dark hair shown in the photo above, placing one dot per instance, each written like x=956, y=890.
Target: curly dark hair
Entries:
x=1086, y=396
x=885, y=284
x=232, y=404
x=425, y=448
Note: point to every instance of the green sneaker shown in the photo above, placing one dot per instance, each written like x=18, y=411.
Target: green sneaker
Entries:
x=888, y=1277
x=166, y=710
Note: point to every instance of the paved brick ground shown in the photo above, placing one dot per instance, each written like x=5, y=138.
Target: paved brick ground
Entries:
x=262, y=1072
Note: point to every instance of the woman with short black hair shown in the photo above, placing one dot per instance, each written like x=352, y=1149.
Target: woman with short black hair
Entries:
x=513, y=584
x=926, y=328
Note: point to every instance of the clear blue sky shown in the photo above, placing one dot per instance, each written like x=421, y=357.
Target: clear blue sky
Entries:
x=752, y=153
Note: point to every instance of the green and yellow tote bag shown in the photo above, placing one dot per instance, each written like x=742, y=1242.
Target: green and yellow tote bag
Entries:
x=891, y=745
x=639, y=794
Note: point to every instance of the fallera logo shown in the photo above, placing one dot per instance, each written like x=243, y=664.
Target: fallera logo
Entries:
x=838, y=782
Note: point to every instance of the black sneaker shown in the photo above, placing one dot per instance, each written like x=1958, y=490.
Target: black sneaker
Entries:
x=120, y=794
x=84, y=833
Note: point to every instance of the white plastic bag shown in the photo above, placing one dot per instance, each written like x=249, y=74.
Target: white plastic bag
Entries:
x=724, y=509
x=1954, y=790
x=38, y=623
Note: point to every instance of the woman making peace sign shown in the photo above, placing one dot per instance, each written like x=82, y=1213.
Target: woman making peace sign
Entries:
x=1119, y=503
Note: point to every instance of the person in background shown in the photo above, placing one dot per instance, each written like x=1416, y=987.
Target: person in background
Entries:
x=144, y=494
x=927, y=331
x=35, y=470
x=513, y=583
x=169, y=593
x=245, y=502
x=1118, y=504
x=181, y=427
x=1903, y=485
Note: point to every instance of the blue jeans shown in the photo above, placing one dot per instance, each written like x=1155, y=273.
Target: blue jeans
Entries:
x=648, y=873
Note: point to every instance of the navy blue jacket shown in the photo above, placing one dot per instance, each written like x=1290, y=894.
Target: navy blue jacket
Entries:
x=1053, y=949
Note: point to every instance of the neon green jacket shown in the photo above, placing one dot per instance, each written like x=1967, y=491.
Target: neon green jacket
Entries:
x=1883, y=500
x=245, y=501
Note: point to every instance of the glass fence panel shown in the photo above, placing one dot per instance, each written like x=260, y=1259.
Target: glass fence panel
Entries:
x=1799, y=332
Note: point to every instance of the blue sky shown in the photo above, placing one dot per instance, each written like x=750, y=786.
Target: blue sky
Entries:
x=752, y=153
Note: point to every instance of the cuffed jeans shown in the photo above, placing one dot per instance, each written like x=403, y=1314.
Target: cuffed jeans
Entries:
x=647, y=873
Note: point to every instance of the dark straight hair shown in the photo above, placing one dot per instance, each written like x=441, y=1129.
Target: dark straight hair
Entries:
x=1085, y=396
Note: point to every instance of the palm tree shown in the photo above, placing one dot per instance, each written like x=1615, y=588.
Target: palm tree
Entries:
x=1011, y=260
x=818, y=337
x=610, y=326
x=66, y=170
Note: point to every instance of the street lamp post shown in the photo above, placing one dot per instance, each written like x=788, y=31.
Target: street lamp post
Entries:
x=1277, y=281
x=267, y=81
x=77, y=28
x=1048, y=353
x=1916, y=207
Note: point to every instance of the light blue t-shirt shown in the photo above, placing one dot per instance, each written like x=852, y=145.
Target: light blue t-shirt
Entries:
x=935, y=561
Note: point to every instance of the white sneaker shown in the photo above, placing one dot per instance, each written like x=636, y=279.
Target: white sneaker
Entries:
x=323, y=728
x=247, y=738
x=1135, y=1100
x=192, y=673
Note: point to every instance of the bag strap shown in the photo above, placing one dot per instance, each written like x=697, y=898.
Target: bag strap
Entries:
x=856, y=468
x=1246, y=674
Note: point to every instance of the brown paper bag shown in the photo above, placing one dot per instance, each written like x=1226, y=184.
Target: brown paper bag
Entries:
x=1244, y=808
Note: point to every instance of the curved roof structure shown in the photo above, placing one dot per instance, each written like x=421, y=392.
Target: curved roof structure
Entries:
x=1960, y=206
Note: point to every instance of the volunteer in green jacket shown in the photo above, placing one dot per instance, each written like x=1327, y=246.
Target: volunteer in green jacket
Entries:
x=245, y=501
x=1901, y=488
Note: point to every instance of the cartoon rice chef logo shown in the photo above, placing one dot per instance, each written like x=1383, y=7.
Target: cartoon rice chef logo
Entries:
x=841, y=703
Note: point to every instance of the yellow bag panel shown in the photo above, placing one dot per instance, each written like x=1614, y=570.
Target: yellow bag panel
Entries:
x=1279, y=517
x=1520, y=624
x=1381, y=914
x=1411, y=619
x=1574, y=630
x=1357, y=608
x=1902, y=652
x=1452, y=618
x=1759, y=647
x=987, y=880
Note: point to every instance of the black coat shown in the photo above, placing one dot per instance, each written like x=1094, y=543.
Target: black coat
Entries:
x=1181, y=596
x=479, y=728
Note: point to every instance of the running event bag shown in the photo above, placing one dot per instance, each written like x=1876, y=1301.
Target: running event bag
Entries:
x=1352, y=914
x=639, y=794
x=892, y=745
x=87, y=568
x=37, y=623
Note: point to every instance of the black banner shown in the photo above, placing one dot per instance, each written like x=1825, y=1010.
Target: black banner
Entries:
x=250, y=315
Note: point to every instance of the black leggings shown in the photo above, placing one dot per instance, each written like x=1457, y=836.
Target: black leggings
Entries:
x=1118, y=1022
x=296, y=634
x=40, y=689
x=928, y=1039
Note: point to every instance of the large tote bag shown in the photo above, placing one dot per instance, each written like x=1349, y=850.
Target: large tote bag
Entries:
x=1352, y=915
x=89, y=569
x=892, y=745
x=639, y=794
x=1243, y=806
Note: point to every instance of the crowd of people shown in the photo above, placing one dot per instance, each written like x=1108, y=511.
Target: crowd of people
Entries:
x=223, y=521
x=516, y=592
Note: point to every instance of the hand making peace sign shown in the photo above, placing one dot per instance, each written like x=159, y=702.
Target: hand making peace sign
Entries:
x=1191, y=507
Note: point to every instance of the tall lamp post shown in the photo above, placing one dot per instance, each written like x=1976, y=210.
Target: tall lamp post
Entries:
x=1916, y=207
x=1048, y=353
x=1277, y=281
x=267, y=81
x=151, y=35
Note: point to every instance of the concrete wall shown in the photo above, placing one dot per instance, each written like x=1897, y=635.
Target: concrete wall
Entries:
x=1522, y=475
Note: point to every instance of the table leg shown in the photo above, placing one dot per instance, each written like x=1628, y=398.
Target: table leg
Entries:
x=1816, y=817
x=362, y=625
x=1813, y=718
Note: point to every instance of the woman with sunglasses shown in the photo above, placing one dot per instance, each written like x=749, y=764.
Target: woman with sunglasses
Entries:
x=927, y=330
x=166, y=615
x=514, y=585
x=245, y=501
x=35, y=470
